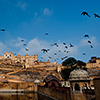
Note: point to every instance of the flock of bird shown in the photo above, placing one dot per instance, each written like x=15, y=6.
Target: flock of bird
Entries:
x=45, y=51
x=24, y=44
x=85, y=13
x=66, y=46
x=66, y=49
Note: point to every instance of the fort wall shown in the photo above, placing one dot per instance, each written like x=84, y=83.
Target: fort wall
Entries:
x=97, y=88
x=59, y=93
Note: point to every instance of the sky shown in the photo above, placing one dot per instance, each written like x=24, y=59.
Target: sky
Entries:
x=29, y=20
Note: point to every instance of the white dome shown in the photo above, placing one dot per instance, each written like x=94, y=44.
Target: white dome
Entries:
x=37, y=81
x=79, y=74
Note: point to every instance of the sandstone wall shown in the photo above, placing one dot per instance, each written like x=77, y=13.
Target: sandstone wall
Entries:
x=58, y=93
x=97, y=88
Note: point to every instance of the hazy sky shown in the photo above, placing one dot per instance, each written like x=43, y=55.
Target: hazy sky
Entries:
x=61, y=19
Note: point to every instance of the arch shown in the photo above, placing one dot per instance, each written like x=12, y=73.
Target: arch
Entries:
x=77, y=87
x=53, y=84
x=84, y=86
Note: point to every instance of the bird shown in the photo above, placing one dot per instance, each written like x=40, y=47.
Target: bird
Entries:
x=59, y=51
x=22, y=40
x=57, y=58
x=45, y=50
x=84, y=54
x=89, y=42
x=50, y=57
x=95, y=15
x=3, y=30
x=55, y=44
x=66, y=47
x=85, y=13
x=46, y=34
x=51, y=44
x=26, y=49
x=91, y=46
x=61, y=58
x=64, y=50
x=55, y=53
x=24, y=44
x=71, y=45
x=64, y=57
x=67, y=52
x=86, y=35
x=64, y=43
x=41, y=57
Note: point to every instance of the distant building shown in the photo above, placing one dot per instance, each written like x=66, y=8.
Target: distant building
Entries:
x=9, y=58
x=94, y=62
x=26, y=61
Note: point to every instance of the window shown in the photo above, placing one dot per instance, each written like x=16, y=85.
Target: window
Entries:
x=77, y=87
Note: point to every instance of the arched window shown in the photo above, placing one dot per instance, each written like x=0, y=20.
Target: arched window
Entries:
x=77, y=87
x=84, y=86
x=53, y=84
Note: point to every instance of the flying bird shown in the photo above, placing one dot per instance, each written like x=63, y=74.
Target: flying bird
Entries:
x=50, y=57
x=86, y=35
x=45, y=50
x=64, y=43
x=3, y=30
x=22, y=40
x=84, y=54
x=95, y=15
x=24, y=44
x=26, y=49
x=46, y=34
x=57, y=58
x=89, y=42
x=55, y=53
x=64, y=57
x=59, y=51
x=64, y=50
x=67, y=52
x=71, y=45
x=66, y=47
x=85, y=13
x=91, y=46
x=55, y=44
x=41, y=57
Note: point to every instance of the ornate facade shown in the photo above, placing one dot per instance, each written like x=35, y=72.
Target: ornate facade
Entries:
x=9, y=58
x=93, y=63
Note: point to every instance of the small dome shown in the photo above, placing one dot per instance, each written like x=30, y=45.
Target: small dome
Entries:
x=79, y=74
x=37, y=81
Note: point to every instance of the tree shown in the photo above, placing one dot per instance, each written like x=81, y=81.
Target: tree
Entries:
x=69, y=62
x=81, y=63
x=66, y=72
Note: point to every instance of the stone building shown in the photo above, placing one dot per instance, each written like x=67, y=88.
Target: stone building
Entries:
x=9, y=58
x=51, y=81
x=79, y=81
x=94, y=62
x=97, y=88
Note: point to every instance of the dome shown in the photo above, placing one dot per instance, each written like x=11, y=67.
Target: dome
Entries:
x=79, y=74
x=37, y=81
